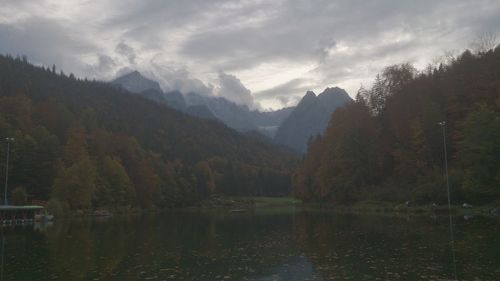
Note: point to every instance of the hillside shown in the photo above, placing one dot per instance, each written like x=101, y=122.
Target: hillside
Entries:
x=89, y=144
x=388, y=145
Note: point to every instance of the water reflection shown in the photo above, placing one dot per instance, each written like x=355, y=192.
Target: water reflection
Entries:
x=2, y=258
x=263, y=246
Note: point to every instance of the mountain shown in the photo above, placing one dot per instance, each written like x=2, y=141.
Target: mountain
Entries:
x=200, y=111
x=240, y=117
x=175, y=99
x=310, y=118
x=268, y=122
x=135, y=82
x=90, y=144
x=235, y=116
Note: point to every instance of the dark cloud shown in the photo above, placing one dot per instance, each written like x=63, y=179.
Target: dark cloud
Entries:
x=274, y=50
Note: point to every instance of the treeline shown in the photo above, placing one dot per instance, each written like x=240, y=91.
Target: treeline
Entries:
x=388, y=145
x=86, y=144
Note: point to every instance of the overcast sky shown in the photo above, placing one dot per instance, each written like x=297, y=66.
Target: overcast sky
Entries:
x=261, y=53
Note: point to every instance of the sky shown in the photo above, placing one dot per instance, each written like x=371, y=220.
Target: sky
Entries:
x=264, y=54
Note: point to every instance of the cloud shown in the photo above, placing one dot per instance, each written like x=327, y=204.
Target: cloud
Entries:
x=285, y=94
x=232, y=89
x=187, y=44
x=286, y=88
x=175, y=76
x=47, y=42
x=105, y=64
x=126, y=51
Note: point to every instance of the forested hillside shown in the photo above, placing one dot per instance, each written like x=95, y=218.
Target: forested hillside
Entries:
x=88, y=144
x=388, y=145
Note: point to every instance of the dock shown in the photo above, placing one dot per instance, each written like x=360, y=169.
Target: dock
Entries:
x=12, y=215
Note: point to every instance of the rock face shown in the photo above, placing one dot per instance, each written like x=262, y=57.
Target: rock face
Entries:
x=235, y=116
x=310, y=118
x=135, y=82
x=240, y=117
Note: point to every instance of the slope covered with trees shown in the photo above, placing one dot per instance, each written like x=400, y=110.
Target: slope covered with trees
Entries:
x=388, y=145
x=88, y=144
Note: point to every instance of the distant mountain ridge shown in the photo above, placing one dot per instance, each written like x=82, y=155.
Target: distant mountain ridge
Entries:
x=310, y=118
x=291, y=126
x=137, y=83
x=237, y=117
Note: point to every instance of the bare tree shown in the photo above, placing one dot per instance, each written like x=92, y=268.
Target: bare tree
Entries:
x=484, y=42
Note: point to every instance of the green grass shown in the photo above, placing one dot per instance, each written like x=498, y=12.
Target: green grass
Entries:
x=260, y=202
x=369, y=206
x=390, y=207
x=276, y=201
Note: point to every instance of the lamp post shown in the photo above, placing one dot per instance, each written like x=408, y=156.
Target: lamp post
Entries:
x=8, y=140
x=443, y=125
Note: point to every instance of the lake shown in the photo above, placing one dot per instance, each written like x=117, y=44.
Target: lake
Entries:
x=270, y=244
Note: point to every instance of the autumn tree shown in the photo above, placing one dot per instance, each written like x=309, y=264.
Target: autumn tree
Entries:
x=76, y=175
x=113, y=186
x=479, y=153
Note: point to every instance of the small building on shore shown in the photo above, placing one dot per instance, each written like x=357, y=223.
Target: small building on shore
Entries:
x=10, y=214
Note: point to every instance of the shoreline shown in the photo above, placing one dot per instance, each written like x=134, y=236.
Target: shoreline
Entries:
x=248, y=204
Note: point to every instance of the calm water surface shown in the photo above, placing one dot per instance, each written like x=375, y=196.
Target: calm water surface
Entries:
x=273, y=245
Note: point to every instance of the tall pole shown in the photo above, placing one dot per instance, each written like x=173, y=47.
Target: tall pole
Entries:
x=443, y=124
x=5, y=202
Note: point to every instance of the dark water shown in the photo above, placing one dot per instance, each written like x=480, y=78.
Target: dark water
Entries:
x=288, y=245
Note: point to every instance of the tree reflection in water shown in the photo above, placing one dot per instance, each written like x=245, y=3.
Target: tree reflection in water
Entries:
x=254, y=246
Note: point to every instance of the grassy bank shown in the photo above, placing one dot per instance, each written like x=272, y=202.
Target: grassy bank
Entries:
x=251, y=203
x=244, y=203
x=389, y=207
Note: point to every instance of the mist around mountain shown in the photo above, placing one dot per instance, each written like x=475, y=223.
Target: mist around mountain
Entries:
x=85, y=144
x=310, y=118
x=291, y=127
x=235, y=116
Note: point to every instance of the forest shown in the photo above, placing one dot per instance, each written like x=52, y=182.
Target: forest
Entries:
x=82, y=144
x=388, y=145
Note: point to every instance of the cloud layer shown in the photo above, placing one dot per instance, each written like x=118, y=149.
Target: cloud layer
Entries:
x=250, y=51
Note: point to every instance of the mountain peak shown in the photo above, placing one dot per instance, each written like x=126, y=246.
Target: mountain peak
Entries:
x=135, y=82
x=135, y=73
x=309, y=94
x=309, y=97
x=334, y=96
x=333, y=91
x=310, y=118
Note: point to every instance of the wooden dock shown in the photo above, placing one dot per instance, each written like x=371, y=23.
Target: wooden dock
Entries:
x=12, y=215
